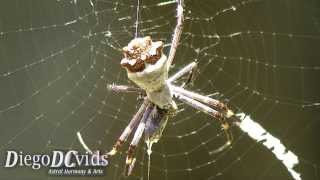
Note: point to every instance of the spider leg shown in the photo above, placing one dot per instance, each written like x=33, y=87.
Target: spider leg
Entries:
x=130, y=159
x=215, y=114
x=127, y=131
x=191, y=77
x=127, y=89
x=177, y=32
x=124, y=89
x=187, y=69
x=221, y=107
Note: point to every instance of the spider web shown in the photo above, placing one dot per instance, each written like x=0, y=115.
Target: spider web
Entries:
x=259, y=56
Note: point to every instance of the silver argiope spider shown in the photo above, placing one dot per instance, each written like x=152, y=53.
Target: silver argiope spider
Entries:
x=148, y=68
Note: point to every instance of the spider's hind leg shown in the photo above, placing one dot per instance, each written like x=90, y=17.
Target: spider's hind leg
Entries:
x=188, y=69
x=191, y=77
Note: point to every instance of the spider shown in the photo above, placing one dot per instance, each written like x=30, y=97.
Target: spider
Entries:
x=148, y=67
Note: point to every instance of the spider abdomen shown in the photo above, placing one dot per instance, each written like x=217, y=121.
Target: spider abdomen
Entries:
x=153, y=77
x=153, y=80
x=162, y=98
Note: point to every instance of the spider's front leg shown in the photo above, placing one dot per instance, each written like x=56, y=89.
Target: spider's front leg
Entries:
x=213, y=103
x=210, y=111
x=130, y=159
x=132, y=124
